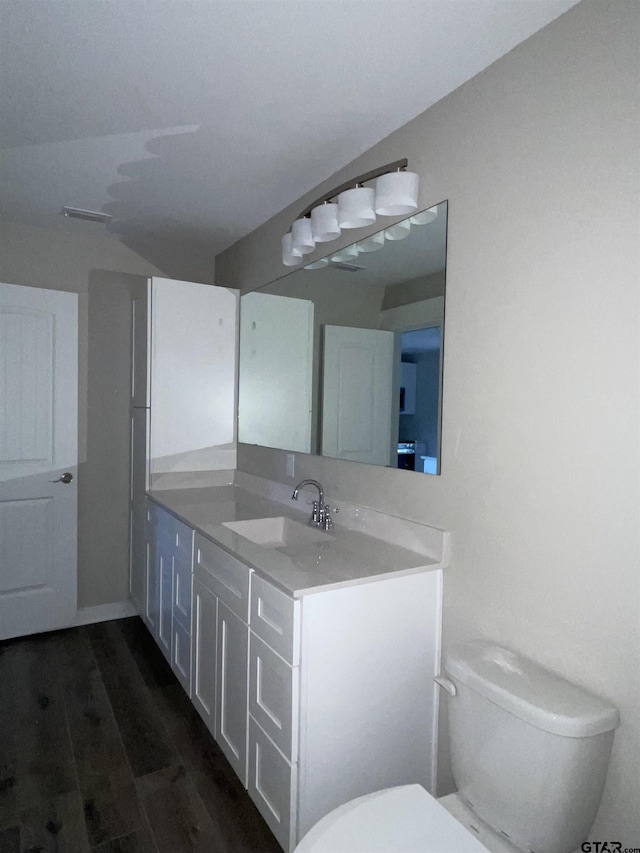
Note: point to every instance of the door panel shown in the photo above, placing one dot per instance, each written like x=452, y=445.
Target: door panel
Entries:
x=165, y=567
x=137, y=506
x=204, y=653
x=38, y=444
x=231, y=689
x=272, y=784
x=356, y=397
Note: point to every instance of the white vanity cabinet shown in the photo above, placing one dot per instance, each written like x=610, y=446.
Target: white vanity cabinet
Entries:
x=167, y=612
x=341, y=697
x=314, y=700
x=221, y=648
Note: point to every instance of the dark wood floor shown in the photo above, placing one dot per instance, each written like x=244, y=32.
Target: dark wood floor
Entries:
x=100, y=749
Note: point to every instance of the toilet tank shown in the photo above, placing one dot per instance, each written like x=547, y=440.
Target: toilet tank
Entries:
x=529, y=750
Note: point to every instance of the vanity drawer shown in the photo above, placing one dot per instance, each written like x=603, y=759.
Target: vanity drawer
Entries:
x=273, y=783
x=275, y=618
x=225, y=576
x=177, y=533
x=273, y=696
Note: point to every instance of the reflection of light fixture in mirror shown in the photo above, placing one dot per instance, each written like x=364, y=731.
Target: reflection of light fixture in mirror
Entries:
x=318, y=265
x=395, y=194
x=373, y=243
x=324, y=222
x=349, y=253
x=398, y=231
x=425, y=217
x=355, y=208
x=301, y=236
x=290, y=256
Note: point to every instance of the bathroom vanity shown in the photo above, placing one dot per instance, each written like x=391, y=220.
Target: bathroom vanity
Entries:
x=309, y=655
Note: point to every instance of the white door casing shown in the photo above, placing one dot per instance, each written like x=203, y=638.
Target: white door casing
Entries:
x=38, y=444
x=357, y=394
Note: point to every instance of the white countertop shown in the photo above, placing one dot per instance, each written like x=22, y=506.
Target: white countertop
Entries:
x=342, y=558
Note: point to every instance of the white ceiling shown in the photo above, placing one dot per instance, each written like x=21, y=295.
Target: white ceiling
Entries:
x=193, y=122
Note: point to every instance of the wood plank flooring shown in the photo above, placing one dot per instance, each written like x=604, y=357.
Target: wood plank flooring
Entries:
x=101, y=750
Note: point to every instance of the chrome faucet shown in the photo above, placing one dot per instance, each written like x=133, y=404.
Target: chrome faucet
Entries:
x=320, y=515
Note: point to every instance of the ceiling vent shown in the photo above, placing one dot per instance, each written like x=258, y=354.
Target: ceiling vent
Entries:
x=87, y=215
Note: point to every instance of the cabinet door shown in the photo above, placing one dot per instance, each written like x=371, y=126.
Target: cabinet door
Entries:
x=231, y=689
x=140, y=365
x=182, y=587
x=165, y=569
x=272, y=785
x=204, y=632
x=181, y=656
x=273, y=696
x=137, y=507
x=152, y=580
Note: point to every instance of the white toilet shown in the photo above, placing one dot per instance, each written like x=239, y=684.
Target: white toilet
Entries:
x=529, y=753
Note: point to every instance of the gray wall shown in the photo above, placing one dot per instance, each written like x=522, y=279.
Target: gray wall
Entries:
x=71, y=261
x=538, y=157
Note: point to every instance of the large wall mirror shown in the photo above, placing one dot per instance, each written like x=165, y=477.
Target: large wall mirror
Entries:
x=343, y=357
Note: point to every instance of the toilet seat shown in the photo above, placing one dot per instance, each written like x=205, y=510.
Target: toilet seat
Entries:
x=406, y=819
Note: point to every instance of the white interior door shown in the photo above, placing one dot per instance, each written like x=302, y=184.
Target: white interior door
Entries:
x=357, y=394
x=38, y=447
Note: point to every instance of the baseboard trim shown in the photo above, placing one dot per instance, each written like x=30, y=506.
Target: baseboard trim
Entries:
x=104, y=613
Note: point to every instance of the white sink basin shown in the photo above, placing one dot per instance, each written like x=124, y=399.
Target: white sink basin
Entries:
x=278, y=532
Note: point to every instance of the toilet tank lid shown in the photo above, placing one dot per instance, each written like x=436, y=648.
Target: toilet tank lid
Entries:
x=529, y=691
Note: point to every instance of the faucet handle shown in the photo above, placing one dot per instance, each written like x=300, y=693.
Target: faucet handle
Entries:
x=315, y=513
x=326, y=520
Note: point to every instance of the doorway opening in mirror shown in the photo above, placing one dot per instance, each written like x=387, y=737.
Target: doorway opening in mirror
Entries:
x=419, y=403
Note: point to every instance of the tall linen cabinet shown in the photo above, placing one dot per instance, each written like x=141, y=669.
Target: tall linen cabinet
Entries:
x=183, y=397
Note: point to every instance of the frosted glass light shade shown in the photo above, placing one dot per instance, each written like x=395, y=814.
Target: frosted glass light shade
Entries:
x=349, y=253
x=425, y=217
x=324, y=223
x=355, y=208
x=373, y=243
x=397, y=193
x=301, y=236
x=398, y=231
x=290, y=257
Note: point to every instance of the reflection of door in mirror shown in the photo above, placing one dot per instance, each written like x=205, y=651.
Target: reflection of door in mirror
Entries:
x=419, y=427
x=356, y=394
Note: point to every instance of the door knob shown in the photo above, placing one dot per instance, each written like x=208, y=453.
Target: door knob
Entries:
x=67, y=477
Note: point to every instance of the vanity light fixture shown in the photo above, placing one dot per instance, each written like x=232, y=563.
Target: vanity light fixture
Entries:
x=324, y=222
x=301, y=237
x=355, y=207
x=290, y=257
x=352, y=205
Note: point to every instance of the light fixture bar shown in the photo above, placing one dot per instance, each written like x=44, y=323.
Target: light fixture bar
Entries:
x=88, y=215
x=361, y=179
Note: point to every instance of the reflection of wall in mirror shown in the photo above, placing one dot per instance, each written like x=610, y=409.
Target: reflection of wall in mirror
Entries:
x=276, y=342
